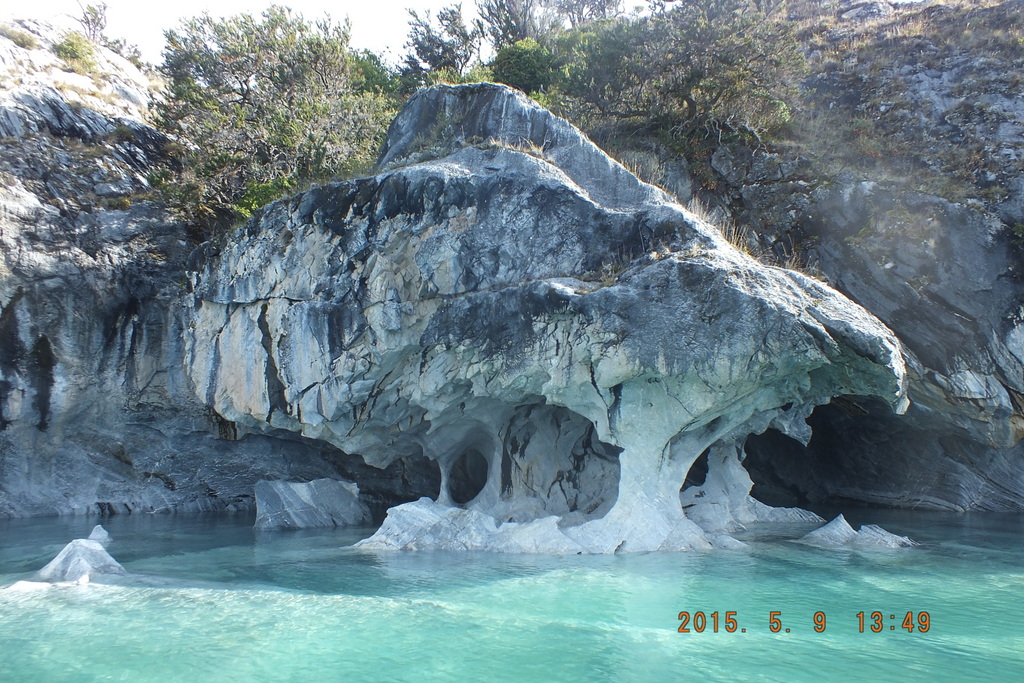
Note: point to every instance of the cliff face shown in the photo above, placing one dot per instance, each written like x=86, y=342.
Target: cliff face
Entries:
x=503, y=320
x=97, y=413
x=920, y=106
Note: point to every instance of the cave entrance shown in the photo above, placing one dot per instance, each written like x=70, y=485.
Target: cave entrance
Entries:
x=698, y=471
x=554, y=463
x=467, y=477
x=407, y=478
x=778, y=465
x=848, y=455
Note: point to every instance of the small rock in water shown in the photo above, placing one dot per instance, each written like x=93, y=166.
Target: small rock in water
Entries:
x=80, y=559
x=874, y=536
x=838, y=533
x=100, y=535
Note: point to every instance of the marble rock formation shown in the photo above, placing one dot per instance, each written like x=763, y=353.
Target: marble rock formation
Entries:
x=100, y=535
x=506, y=300
x=97, y=414
x=319, y=503
x=80, y=559
x=839, y=533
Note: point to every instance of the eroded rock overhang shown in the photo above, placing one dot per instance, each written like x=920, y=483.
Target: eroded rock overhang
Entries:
x=562, y=338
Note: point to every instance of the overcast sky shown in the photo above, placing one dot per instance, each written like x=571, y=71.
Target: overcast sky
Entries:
x=379, y=25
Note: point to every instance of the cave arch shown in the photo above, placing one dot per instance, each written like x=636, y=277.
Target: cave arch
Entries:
x=467, y=476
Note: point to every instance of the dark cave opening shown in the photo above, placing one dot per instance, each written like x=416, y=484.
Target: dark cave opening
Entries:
x=467, y=477
x=406, y=479
x=554, y=455
x=841, y=463
x=698, y=472
x=776, y=464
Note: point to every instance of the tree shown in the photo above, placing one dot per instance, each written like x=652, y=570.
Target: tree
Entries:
x=716, y=59
x=260, y=106
x=580, y=12
x=526, y=65
x=696, y=63
x=508, y=21
x=93, y=20
x=449, y=45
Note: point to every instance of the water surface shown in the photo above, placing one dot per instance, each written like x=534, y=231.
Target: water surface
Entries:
x=209, y=598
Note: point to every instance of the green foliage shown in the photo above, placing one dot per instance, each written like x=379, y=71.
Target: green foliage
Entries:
x=261, y=194
x=698, y=61
x=446, y=43
x=22, y=39
x=526, y=65
x=373, y=76
x=93, y=20
x=263, y=105
x=77, y=51
x=580, y=12
x=121, y=134
x=127, y=50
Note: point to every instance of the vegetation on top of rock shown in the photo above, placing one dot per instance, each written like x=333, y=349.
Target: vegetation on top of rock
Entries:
x=693, y=64
x=525, y=64
x=22, y=39
x=261, y=106
x=93, y=21
x=916, y=96
x=444, y=44
x=77, y=51
x=506, y=22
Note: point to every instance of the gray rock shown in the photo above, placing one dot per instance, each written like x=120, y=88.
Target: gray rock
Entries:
x=561, y=338
x=318, y=503
x=946, y=279
x=118, y=189
x=100, y=535
x=97, y=413
x=426, y=525
x=864, y=10
x=839, y=533
x=80, y=559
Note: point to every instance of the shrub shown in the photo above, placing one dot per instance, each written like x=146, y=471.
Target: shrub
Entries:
x=695, y=63
x=261, y=105
x=77, y=52
x=526, y=65
x=22, y=39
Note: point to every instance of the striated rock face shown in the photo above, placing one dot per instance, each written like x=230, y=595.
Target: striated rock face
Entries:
x=97, y=413
x=504, y=299
x=947, y=279
x=318, y=503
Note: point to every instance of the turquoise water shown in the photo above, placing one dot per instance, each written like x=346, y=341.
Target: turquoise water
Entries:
x=208, y=598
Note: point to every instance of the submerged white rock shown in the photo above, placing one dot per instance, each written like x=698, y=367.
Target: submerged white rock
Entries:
x=318, y=503
x=80, y=559
x=424, y=524
x=839, y=533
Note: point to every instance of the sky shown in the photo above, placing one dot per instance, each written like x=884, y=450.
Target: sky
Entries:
x=378, y=25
